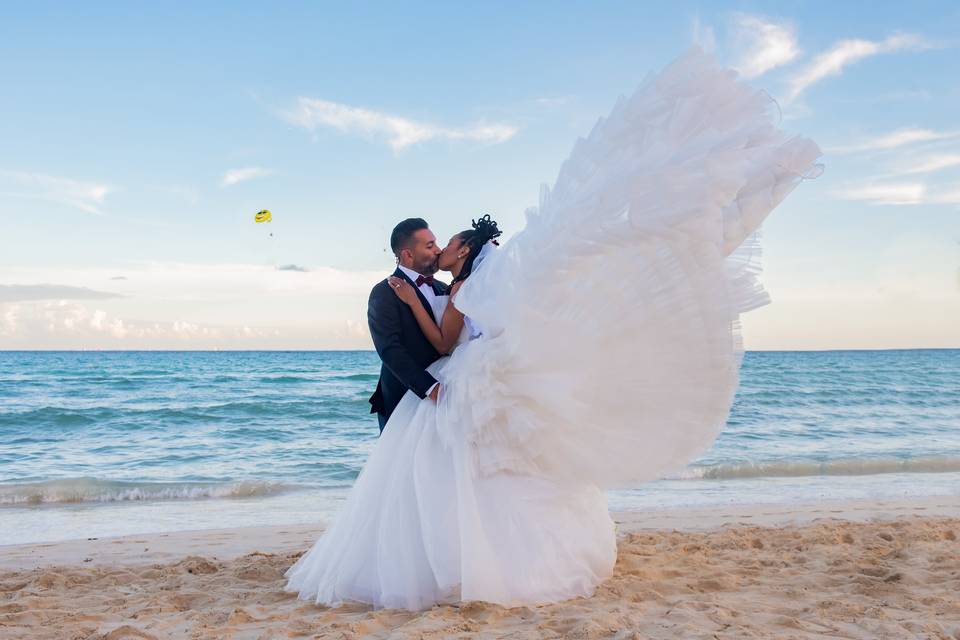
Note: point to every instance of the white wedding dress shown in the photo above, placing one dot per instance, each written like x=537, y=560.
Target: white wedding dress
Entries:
x=609, y=356
x=421, y=526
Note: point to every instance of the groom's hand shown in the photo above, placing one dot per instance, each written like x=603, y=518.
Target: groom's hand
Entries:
x=435, y=392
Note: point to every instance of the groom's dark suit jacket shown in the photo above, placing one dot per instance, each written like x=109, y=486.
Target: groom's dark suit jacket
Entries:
x=404, y=350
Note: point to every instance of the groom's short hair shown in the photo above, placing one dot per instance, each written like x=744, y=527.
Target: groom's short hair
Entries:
x=403, y=233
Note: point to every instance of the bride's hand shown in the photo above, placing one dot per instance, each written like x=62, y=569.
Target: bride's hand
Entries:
x=403, y=289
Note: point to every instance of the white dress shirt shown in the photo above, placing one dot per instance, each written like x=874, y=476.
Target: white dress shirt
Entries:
x=428, y=293
x=425, y=289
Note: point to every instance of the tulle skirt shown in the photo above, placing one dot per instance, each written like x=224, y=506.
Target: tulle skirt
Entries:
x=421, y=527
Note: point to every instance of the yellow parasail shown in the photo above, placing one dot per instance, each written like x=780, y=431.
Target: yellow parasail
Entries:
x=263, y=216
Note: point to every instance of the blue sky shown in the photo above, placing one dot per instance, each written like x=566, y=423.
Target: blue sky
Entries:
x=139, y=140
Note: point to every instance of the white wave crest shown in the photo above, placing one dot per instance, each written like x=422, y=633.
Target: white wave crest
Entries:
x=841, y=467
x=81, y=490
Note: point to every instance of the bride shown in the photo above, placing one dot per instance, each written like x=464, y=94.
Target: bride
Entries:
x=605, y=352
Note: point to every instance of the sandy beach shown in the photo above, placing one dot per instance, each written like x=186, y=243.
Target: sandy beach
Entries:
x=843, y=570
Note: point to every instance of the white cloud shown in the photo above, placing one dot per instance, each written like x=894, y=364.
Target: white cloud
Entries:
x=8, y=320
x=762, y=45
x=703, y=35
x=77, y=324
x=236, y=176
x=355, y=330
x=311, y=113
x=85, y=196
x=896, y=139
x=899, y=193
x=846, y=52
x=65, y=324
x=931, y=163
x=186, y=305
x=23, y=293
x=550, y=103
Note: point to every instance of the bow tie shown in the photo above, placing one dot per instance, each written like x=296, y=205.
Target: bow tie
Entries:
x=425, y=280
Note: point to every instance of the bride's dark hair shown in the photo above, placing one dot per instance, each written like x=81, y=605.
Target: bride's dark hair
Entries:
x=484, y=230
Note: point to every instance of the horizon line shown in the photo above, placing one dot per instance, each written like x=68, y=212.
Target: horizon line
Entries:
x=374, y=351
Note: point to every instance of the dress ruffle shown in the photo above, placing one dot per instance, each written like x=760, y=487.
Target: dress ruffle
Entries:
x=612, y=336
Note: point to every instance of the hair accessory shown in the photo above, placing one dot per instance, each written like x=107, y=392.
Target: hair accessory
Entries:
x=486, y=229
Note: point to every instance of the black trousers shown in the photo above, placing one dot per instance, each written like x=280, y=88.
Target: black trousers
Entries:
x=382, y=419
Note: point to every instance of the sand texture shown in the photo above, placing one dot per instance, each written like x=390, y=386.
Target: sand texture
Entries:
x=837, y=578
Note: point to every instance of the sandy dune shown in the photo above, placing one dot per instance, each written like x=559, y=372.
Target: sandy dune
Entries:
x=894, y=577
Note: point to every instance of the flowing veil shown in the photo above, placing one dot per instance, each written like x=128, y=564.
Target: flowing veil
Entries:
x=611, y=343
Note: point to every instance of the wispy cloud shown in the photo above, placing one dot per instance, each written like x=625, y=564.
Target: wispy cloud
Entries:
x=703, y=35
x=557, y=101
x=236, y=176
x=762, y=45
x=27, y=292
x=899, y=193
x=896, y=139
x=890, y=193
x=85, y=196
x=846, y=52
x=399, y=132
x=931, y=163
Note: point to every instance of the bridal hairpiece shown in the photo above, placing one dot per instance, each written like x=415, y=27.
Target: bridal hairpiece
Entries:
x=487, y=229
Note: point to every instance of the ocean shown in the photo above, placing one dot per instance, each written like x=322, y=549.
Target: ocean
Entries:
x=111, y=443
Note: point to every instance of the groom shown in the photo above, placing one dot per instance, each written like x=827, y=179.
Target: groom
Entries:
x=401, y=345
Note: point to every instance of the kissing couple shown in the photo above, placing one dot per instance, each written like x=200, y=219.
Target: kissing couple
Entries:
x=598, y=348
x=411, y=322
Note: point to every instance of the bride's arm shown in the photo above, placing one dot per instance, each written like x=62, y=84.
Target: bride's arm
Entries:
x=443, y=337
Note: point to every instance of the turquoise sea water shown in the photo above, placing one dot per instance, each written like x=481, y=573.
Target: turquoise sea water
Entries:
x=101, y=443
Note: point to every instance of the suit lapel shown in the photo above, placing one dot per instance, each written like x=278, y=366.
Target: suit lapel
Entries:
x=426, y=304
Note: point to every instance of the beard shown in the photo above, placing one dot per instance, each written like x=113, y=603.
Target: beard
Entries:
x=430, y=268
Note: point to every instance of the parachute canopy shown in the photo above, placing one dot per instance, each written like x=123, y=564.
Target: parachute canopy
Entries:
x=263, y=215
